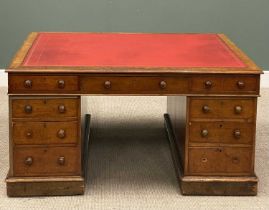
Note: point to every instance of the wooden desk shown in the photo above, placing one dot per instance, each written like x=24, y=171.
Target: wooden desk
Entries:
x=212, y=90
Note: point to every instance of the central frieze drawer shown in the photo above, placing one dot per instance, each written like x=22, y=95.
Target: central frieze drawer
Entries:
x=133, y=85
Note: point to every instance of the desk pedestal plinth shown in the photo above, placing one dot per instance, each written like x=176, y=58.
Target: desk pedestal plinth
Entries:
x=20, y=187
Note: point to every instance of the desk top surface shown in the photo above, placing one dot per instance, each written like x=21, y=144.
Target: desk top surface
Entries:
x=130, y=52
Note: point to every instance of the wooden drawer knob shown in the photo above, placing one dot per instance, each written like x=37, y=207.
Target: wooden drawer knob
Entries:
x=206, y=109
x=240, y=84
x=208, y=84
x=238, y=109
x=107, y=84
x=163, y=85
x=219, y=150
x=204, y=133
x=61, y=134
x=61, y=84
x=61, y=108
x=29, y=134
x=237, y=133
x=204, y=160
x=235, y=160
x=28, y=83
x=28, y=161
x=28, y=109
x=61, y=161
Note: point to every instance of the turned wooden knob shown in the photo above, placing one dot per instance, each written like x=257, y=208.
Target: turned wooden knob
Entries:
x=235, y=160
x=240, y=84
x=107, y=84
x=238, y=109
x=208, y=84
x=219, y=150
x=163, y=84
x=204, y=133
x=206, y=109
x=27, y=83
x=28, y=109
x=61, y=108
x=28, y=161
x=237, y=133
x=61, y=84
x=61, y=161
x=29, y=134
x=204, y=160
x=61, y=133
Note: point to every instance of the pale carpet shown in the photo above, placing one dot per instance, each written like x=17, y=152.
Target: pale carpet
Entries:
x=130, y=166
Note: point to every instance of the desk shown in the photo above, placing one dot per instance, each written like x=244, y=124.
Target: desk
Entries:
x=211, y=88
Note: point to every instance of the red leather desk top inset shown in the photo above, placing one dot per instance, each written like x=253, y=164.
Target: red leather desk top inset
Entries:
x=130, y=50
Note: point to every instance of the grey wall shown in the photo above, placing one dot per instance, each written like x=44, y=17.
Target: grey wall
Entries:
x=246, y=22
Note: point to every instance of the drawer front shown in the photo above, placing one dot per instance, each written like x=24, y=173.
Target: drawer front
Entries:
x=218, y=161
x=222, y=108
x=225, y=84
x=242, y=84
x=44, y=161
x=26, y=133
x=32, y=83
x=221, y=132
x=45, y=108
x=134, y=85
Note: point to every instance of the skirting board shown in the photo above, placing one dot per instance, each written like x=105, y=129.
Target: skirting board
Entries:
x=3, y=78
x=264, y=79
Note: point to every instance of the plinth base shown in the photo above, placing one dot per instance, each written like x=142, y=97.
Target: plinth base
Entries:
x=32, y=186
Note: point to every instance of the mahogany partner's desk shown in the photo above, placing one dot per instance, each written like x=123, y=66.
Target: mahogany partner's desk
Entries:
x=212, y=90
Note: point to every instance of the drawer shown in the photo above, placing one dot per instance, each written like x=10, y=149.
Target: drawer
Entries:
x=39, y=83
x=219, y=108
x=242, y=84
x=225, y=84
x=134, y=85
x=44, y=161
x=27, y=133
x=220, y=160
x=45, y=108
x=221, y=132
